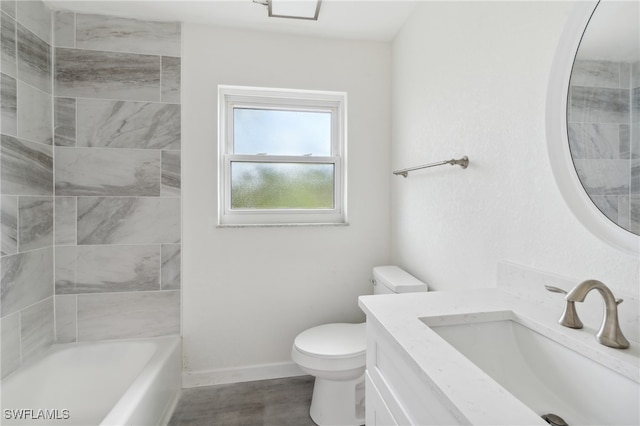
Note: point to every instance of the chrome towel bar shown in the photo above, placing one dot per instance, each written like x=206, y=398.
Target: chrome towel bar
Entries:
x=463, y=162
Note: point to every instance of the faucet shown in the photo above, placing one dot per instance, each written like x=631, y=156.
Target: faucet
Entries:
x=609, y=333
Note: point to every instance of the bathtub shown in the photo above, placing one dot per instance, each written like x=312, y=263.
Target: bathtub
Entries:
x=127, y=382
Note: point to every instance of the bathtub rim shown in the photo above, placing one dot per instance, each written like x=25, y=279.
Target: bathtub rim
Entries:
x=167, y=347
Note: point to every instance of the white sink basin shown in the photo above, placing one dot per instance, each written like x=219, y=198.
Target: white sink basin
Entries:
x=545, y=375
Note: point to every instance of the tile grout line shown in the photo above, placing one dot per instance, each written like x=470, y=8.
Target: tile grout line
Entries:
x=76, y=310
x=53, y=174
x=141, y=101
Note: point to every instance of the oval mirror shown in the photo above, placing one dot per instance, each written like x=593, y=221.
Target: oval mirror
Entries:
x=593, y=119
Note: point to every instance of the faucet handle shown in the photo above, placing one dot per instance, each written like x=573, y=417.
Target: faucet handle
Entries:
x=553, y=289
x=569, y=317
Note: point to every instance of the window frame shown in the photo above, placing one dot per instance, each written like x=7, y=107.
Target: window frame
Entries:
x=335, y=103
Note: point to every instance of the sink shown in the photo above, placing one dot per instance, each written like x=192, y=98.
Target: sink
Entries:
x=545, y=375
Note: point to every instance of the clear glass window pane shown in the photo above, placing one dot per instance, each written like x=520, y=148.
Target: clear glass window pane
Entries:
x=282, y=185
x=280, y=132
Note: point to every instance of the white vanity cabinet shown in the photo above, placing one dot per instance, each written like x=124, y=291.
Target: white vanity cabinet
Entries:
x=397, y=390
x=377, y=411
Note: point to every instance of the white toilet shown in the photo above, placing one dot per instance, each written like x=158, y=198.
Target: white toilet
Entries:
x=335, y=355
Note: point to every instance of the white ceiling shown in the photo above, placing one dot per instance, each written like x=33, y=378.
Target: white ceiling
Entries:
x=376, y=20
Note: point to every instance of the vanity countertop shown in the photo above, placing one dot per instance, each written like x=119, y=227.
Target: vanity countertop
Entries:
x=470, y=392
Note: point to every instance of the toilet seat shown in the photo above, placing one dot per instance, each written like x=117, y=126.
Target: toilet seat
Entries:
x=331, y=347
x=333, y=340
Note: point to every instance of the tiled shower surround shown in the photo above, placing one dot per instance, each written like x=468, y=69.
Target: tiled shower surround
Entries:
x=604, y=135
x=26, y=183
x=117, y=177
x=112, y=160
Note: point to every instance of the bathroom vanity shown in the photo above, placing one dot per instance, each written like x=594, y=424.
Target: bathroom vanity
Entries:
x=493, y=356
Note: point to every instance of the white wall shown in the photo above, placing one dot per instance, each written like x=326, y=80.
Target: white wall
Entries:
x=470, y=78
x=247, y=292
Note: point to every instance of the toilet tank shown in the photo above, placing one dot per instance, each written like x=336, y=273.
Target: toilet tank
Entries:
x=391, y=279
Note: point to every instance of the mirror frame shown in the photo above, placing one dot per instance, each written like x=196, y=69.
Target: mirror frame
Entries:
x=560, y=158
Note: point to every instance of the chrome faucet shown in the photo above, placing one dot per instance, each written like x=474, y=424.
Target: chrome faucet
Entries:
x=609, y=333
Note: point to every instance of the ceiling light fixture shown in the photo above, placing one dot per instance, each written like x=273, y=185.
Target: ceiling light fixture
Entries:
x=292, y=9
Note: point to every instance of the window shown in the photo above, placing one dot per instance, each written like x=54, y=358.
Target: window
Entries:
x=282, y=156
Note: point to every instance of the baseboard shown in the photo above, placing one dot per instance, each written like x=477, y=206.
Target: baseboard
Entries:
x=195, y=379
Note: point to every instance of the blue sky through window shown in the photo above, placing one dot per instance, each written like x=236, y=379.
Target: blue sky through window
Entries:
x=280, y=132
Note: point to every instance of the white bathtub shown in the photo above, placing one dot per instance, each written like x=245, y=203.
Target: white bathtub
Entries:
x=130, y=382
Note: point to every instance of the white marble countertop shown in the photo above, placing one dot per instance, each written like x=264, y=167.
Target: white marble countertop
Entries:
x=474, y=394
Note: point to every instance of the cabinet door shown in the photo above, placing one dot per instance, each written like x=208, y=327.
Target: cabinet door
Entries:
x=377, y=412
x=406, y=394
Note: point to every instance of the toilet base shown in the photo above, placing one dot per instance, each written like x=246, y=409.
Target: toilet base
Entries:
x=338, y=402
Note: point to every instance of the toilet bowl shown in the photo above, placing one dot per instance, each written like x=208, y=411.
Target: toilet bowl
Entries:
x=336, y=355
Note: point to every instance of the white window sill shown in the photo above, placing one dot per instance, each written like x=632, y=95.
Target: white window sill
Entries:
x=277, y=225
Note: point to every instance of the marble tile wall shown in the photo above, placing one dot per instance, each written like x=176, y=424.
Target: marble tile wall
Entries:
x=26, y=183
x=604, y=136
x=634, y=196
x=117, y=142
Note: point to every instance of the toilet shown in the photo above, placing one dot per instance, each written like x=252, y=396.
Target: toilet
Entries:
x=335, y=354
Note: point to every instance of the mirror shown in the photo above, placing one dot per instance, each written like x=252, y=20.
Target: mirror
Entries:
x=601, y=185
x=603, y=112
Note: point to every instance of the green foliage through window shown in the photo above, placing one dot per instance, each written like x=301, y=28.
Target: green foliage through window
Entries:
x=282, y=186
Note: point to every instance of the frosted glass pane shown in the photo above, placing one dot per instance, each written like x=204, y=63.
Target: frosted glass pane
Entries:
x=278, y=132
x=281, y=186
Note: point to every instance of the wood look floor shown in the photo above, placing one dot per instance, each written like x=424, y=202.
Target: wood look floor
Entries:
x=278, y=402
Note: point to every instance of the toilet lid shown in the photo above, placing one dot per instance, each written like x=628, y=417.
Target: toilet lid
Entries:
x=333, y=340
